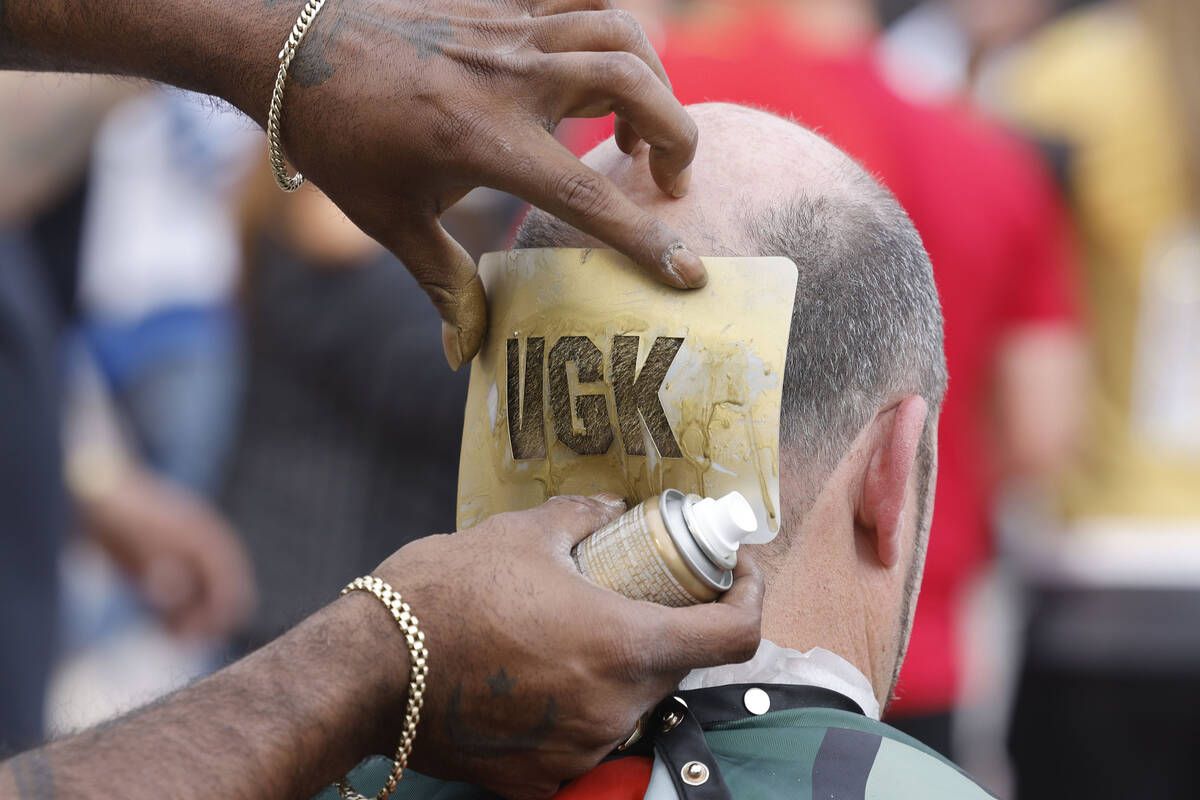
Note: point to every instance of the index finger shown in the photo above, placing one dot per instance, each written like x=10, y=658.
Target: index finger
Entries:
x=551, y=178
x=626, y=85
x=725, y=632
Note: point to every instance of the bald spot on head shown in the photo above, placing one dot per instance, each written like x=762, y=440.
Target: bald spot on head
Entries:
x=746, y=159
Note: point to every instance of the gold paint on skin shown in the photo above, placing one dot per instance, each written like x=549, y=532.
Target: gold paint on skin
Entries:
x=721, y=393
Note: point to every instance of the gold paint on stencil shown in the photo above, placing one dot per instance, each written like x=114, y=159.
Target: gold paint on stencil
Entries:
x=595, y=377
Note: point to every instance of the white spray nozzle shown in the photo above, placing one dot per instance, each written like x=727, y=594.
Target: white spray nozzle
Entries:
x=719, y=526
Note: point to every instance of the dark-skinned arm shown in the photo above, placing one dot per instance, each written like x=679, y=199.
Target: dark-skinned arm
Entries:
x=398, y=108
x=535, y=674
x=282, y=722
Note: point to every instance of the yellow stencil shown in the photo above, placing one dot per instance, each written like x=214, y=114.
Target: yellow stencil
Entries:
x=595, y=377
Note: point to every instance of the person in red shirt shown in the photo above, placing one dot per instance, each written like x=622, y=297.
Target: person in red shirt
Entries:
x=1002, y=257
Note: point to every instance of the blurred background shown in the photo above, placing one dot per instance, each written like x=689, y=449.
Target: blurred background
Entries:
x=209, y=420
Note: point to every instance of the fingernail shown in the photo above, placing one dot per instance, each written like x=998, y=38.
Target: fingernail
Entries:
x=682, y=183
x=452, y=344
x=609, y=499
x=685, y=266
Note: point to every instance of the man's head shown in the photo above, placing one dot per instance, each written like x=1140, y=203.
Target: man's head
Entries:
x=865, y=372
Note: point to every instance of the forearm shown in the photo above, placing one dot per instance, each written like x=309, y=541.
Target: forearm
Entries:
x=281, y=723
x=212, y=46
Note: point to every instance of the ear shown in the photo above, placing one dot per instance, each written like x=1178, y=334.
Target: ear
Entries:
x=885, y=485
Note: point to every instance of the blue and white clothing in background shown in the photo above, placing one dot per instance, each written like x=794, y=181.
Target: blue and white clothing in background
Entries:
x=160, y=258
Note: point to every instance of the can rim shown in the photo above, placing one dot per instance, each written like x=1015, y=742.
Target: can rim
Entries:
x=671, y=505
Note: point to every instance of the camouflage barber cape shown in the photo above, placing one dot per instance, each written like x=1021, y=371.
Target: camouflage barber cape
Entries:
x=817, y=746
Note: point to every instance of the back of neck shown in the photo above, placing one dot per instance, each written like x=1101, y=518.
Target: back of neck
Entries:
x=816, y=597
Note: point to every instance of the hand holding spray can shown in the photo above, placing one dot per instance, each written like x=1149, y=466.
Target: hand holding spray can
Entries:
x=674, y=549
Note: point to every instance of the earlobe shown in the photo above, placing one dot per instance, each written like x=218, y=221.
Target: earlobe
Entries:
x=885, y=486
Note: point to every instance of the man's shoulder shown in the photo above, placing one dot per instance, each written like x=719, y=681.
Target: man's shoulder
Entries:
x=833, y=753
x=836, y=753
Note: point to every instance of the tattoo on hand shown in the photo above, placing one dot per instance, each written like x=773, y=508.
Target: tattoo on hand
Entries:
x=500, y=684
x=483, y=745
x=312, y=66
x=33, y=776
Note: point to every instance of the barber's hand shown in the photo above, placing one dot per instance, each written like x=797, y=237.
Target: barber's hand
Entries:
x=397, y=108
x=535, y=672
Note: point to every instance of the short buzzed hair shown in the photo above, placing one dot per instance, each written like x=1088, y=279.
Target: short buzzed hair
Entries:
x=867, y=324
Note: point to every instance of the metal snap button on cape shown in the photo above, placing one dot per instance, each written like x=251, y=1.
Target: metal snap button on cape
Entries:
x=694, y=773
x=756, y=701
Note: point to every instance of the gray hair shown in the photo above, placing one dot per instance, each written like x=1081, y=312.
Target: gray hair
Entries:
x=867, y=324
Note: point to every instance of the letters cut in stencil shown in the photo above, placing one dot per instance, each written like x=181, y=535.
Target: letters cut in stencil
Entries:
x=595, y=377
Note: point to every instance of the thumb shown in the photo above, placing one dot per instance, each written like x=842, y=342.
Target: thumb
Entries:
x=449, y=276
x=725, y=632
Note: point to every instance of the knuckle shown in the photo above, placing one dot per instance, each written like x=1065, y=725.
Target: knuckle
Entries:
x=650, y=232
x=462, y=132
x=444, y=297
x=566, y=502
x=623, y=72
x=744, y=642
x=528, y=68
x=583, y=192
x=480, y=63
x=691, y=134
x=624, y=30
x=683, y=142
x=583, y=510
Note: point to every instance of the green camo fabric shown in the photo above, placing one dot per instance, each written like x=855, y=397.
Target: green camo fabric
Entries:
x=805, y=754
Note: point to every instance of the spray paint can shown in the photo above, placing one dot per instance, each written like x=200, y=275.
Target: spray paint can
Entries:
x=674, y=549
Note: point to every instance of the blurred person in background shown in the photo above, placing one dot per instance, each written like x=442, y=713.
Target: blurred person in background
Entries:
x=943, y=49
x=1002, y=257
x=158, y=582
x=1110, y=686
x=182, y=557
x=157, y=338
x=347, y=426
x=160, y=257
x=45, y=136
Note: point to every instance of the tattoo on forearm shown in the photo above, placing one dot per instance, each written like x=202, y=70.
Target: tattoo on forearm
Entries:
x=33, y=775
x=312, y=66
x=482, y=745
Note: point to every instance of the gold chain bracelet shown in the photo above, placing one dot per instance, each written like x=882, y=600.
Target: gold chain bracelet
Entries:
x=274, y=147
x=419, y=669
